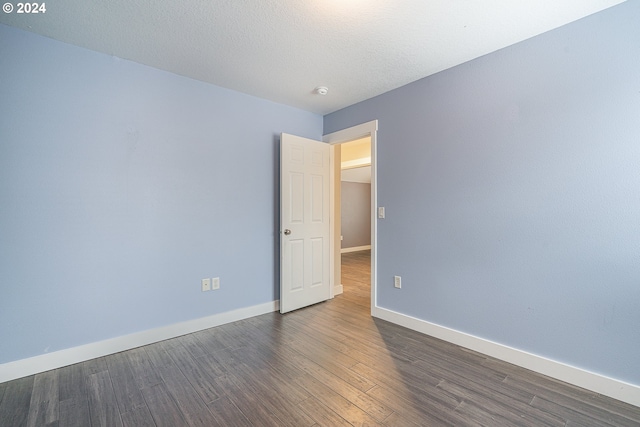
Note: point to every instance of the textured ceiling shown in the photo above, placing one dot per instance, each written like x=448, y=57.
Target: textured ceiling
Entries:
x=282, y=49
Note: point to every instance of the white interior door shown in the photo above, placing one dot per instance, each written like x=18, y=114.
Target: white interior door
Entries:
x=304, y=222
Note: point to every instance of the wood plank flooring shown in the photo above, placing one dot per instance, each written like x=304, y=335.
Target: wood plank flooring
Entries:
x=326, y=365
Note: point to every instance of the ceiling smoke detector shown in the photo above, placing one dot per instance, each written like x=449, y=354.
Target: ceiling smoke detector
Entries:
x=321, y=90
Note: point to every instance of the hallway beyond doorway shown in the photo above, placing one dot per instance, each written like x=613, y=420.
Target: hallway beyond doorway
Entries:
x=356, y=277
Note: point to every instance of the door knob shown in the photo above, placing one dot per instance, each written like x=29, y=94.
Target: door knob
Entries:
x=287, y=232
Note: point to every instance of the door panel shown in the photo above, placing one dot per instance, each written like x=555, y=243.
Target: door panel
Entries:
x=317, y=193
x=304, y=215
x=317, y=255
x=296, y=187
x=297, y=263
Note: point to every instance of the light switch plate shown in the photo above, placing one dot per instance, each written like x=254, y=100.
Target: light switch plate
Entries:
x=397, y=282
x=381, y=212
x=206, y=285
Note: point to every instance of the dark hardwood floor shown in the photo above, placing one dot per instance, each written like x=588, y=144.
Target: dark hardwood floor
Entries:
x=326, y=365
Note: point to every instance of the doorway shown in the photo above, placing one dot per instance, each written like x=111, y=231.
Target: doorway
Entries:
x=366, y=130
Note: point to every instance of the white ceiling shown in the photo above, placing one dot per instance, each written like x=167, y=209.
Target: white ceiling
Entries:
x=282, y=49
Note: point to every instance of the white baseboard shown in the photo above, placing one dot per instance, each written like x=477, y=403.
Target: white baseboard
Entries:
x=45, y=362
x=620, y=390
x=355, y=249
x=337, y=290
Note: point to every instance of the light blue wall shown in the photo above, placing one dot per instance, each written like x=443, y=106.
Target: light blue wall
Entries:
x=512, y=193
x=122, y=186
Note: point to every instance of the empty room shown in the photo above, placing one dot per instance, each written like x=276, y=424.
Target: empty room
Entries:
x=176, y=182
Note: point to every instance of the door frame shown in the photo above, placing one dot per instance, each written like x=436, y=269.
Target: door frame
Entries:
x=369, y=129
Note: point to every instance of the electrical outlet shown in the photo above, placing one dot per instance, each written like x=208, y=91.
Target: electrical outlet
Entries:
x=206, y=285
x=215, y=283
x=397, y=282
